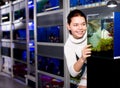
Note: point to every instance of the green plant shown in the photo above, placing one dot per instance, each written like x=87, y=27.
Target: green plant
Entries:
x=104, y=45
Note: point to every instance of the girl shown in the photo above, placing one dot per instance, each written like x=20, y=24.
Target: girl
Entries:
x=76, y=49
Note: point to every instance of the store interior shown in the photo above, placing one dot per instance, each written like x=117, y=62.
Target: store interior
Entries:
x=33, y=34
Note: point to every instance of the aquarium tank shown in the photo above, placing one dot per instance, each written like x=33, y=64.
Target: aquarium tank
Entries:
x=100, y=36
x=5, y=51
x=83, y=2
x=19, y=14
x=31, y=30
x=5, y=17
x=50, y=65
x=51, y=34
x=48, y=5
x=46, y=81
x=19, y=34
x=21, y=56
x=6, y=34
x=116, y=35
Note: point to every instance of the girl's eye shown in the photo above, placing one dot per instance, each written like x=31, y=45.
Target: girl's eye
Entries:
x=84, y=24
x=75, y=25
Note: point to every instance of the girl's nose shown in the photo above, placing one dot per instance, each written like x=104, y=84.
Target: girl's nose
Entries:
x=80, y=27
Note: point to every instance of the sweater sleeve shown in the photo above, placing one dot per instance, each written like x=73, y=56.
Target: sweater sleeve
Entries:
x=71, y=60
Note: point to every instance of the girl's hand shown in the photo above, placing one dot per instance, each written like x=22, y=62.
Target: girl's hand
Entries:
x=86, y=52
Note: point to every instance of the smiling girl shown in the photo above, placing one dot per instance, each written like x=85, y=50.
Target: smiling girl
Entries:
x=76, y=49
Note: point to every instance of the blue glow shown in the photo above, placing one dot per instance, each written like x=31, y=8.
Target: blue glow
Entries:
x=30, y=2
x=24, y=55
x=31, y=44
x=30, y=6
x=30, y=23
x=117, y=35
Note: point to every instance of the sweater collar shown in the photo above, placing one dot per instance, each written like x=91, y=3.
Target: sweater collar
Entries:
x=78, y=40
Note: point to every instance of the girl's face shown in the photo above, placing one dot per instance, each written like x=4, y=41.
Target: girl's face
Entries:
x=77, y=26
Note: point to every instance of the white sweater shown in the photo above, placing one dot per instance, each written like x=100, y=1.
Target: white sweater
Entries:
x=72, y=47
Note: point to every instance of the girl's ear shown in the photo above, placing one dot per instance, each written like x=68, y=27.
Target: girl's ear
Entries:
x=68, y=26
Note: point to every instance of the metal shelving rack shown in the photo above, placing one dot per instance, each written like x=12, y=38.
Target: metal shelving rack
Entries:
x=51, y=49
x=15, y=23
x=6, y=38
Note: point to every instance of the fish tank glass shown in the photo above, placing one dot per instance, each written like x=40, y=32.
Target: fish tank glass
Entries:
x=5, y=34
x=45, y=81
x=51, y=65
x=31, y=30
x=48, y=5
x=19, y=70
x=5, y=51
x=32, y=61
x=31, y=8
x=83, y=2
x=116, y=35
x=20, y=54
x=19, y=34
x=32, y=56
x=31, y=34
x=19, y=14
x=100, y=36
x=31, y=14
x=5, y=17
x=51, y=34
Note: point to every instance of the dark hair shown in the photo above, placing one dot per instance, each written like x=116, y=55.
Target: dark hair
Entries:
x=75, y=13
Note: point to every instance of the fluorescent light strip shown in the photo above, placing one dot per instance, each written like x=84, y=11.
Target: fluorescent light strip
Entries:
x=52, y=8
x=3, y=18
x=30, y=2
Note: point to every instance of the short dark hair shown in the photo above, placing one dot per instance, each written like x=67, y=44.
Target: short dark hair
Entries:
x=74, y=13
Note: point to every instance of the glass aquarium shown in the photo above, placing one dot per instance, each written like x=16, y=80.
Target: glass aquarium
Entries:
x=74, y=3
x=48, y=5
x=32, y=61
x=19, y=70
x=83, y=2
x=46, y=81
x=5, y=17
x=31, y=14
x=20, y=54
x=100, y=36
x=116, y=35
x=31, y=8
x=19, y=34
x=52, y=34
x=5, y=34
x=31, y=30
x=19, y=14
x=6, y=51
x=51, y=65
